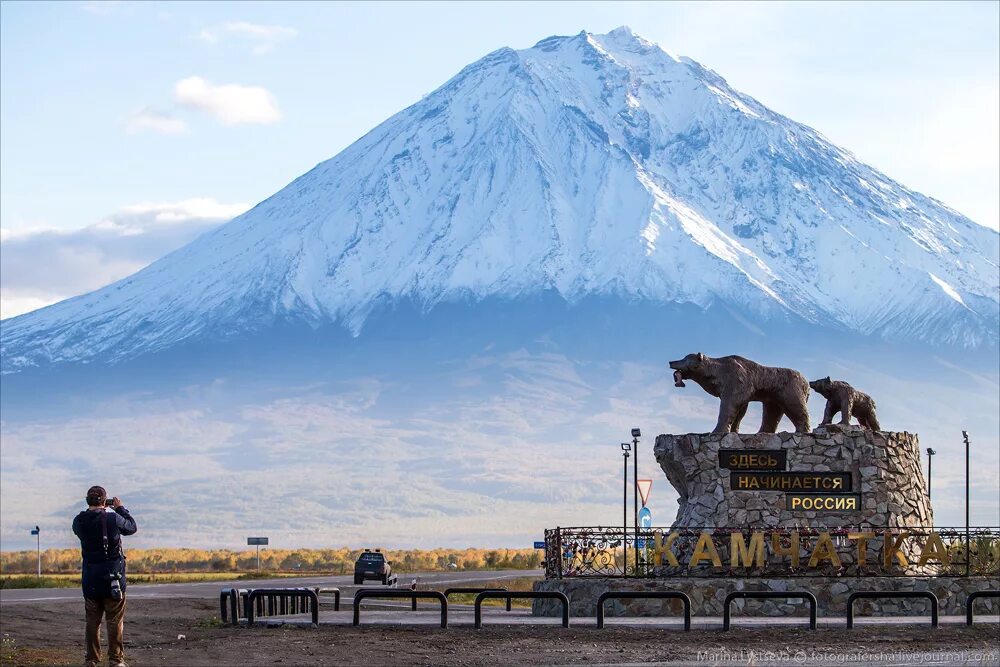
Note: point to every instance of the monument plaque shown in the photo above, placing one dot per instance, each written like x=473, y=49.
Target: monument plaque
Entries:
x=790, y=481
x=753, y=459
x=823, y=502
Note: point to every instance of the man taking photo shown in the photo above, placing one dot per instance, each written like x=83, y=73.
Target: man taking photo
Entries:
x=100, y=534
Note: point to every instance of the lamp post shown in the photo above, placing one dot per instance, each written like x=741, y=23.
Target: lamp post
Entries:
x=636, y=434
x=626, y=448
x=930, y=453
x=965, y=437
x=37, y=532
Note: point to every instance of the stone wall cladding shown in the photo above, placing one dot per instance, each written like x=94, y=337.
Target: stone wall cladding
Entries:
x=885, y=469
x=707, y=596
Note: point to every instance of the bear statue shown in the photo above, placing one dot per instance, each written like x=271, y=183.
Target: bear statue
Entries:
x=848, y=401
x=737, y=381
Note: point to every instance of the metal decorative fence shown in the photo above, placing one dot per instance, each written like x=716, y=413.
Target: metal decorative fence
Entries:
x=854, y=551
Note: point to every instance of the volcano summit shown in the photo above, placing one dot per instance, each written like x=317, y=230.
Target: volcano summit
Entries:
x=591, y=165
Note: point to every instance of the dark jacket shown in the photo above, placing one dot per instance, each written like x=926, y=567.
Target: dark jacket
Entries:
x=99, y=564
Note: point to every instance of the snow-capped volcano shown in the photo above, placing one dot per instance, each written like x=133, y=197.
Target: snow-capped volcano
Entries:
x=585, y=165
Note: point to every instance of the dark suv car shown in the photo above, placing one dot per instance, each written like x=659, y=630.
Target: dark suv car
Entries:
x=372, y=565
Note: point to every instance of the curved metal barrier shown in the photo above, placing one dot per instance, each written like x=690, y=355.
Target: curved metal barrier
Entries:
x=533, y=595
x=874, y=595
x=226, y=602
x=973, y=597
x=763, y=595
x=279, y=599
x=639, y=595
x=501, y=589
x=231, y=600
x=412, y=595
x=336, y=596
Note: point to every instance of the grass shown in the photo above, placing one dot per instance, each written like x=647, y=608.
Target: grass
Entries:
x=31, y=581
x=515, y=584
x=12, y=654
x=73, y=580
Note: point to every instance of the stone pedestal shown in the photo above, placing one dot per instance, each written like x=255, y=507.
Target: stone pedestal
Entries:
x=884, y=468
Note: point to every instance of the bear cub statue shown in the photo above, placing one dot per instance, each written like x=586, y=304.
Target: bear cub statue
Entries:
x=848, y=401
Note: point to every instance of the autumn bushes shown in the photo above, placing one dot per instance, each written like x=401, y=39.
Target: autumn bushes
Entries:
x=328, y=561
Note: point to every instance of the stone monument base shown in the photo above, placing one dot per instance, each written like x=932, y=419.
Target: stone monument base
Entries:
x=883, y=467
x=707, y=595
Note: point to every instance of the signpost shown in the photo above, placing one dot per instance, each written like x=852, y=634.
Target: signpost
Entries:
x=644, y=486
x=645, y=522
x=539, y=545
x=258, y=541
x=37, y=532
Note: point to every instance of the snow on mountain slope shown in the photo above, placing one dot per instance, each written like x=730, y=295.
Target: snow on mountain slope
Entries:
x=591, y=164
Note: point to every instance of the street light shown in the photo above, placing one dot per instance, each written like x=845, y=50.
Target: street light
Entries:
x=636, y=434
x=37, y=532
x=965, y=439
x=930, y=453
x=626, y=448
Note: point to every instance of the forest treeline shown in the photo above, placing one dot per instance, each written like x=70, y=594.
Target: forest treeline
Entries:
x=331, y=561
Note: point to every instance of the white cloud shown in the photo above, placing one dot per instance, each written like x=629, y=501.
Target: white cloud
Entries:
x=232, y=104
x=263, y=37
x=151, y=120
x=86, y=259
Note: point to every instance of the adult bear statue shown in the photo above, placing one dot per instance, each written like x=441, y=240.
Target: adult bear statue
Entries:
x=737, y=381
x=848, y=401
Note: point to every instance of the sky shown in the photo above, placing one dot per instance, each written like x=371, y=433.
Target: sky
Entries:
x=129, y=128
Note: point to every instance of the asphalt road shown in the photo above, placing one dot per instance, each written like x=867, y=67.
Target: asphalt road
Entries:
x=202, y=589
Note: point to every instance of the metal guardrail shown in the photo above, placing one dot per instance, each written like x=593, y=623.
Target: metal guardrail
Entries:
x=639, y=595
x=412, y=595
x=533, y=595
x=874, y=595
x=975, y=596
x=457, y=591
x=228, y=606
x=236, y=603
x=770, y=595
x=279, y=599
x=336, y=596
x=224, y=605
